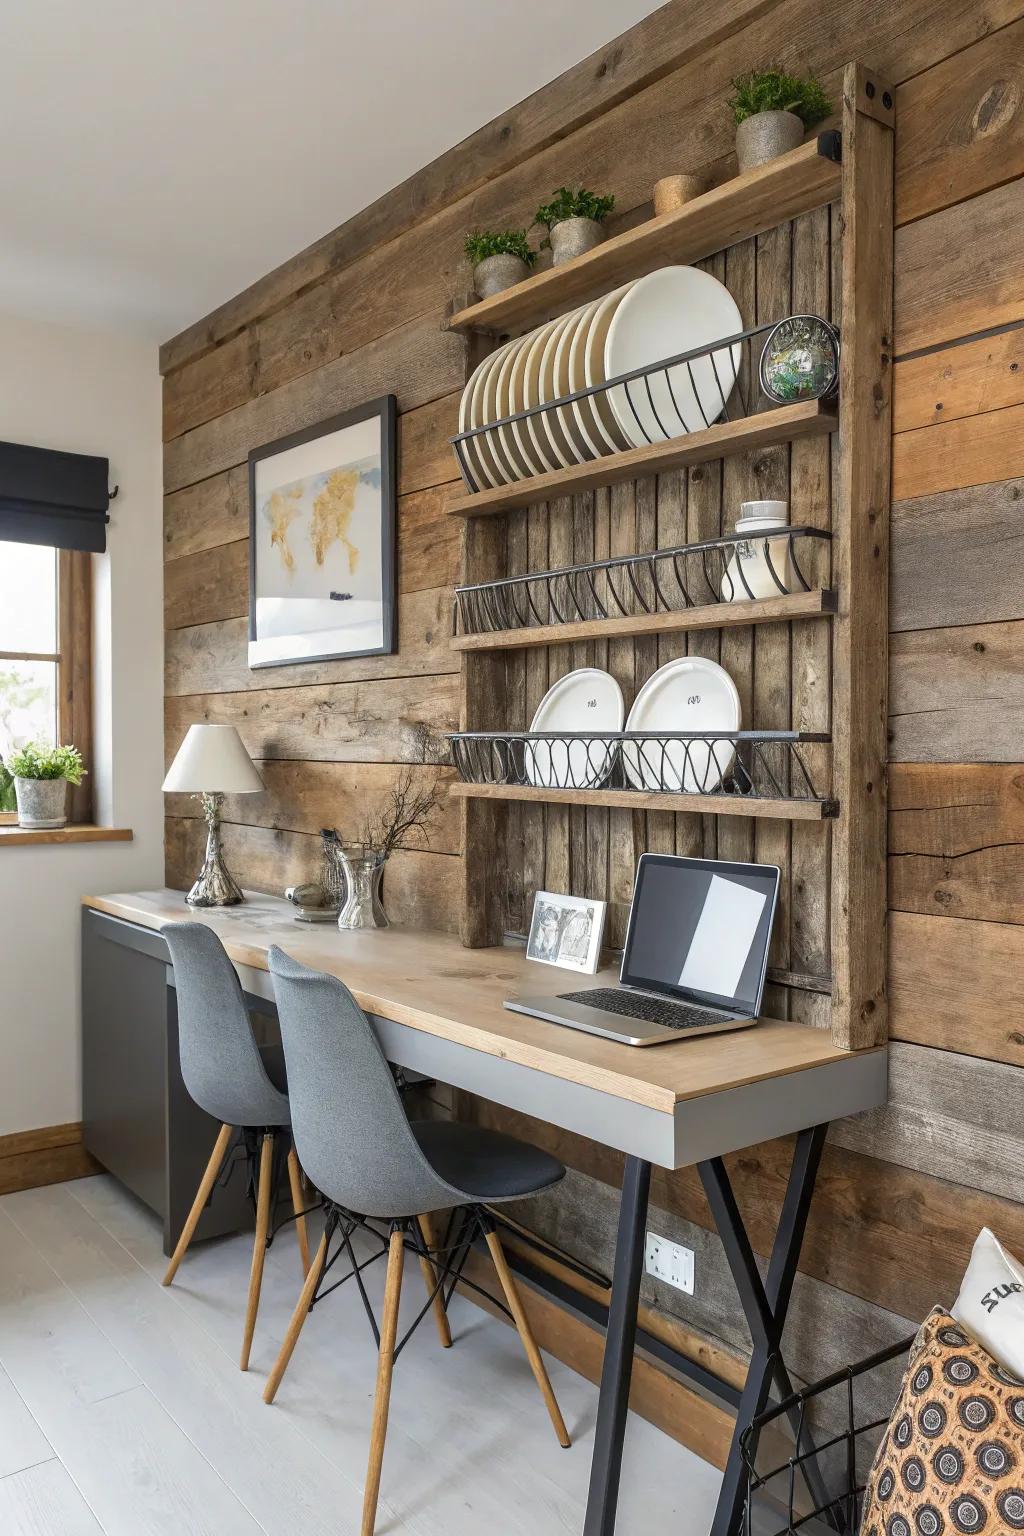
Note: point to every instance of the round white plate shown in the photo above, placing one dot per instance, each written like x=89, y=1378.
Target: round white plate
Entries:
x=672, y=310
x=548, y=422
x=470, y=447
x=484, y=444
x=691, y=694
x=593, y=364
x=522, y=466
x=485, y=401
x=580, y=448
x=526, y=393
x=582, y=702
x=585, y=410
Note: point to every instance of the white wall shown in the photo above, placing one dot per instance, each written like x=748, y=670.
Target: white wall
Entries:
x=86, y=392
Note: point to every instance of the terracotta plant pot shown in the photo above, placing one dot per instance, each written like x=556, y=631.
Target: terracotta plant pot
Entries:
x=765, y=136
x=42, y=802
x=496, y=273
x=572, y=237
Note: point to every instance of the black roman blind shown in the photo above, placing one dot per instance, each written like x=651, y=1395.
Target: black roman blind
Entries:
x=47, y=497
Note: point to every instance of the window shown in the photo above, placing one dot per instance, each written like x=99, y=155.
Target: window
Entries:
x=45, y=662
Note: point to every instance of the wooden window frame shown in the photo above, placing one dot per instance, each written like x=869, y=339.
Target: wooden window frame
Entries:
x=73, y=659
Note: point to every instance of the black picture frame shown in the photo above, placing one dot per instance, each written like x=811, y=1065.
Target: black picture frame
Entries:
x=385, y=409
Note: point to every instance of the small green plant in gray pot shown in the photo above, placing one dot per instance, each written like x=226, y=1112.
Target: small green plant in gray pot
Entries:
x=500, y=257
x=574, y=221
x=41, y=778
x=773, y=110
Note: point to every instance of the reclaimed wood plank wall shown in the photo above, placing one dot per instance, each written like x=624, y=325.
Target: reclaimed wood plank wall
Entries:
x=904, y=1191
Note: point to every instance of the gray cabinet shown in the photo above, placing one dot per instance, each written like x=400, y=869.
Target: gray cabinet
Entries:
x=138, y=1119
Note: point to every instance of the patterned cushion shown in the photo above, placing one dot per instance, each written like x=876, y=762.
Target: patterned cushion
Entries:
x=952, y=1458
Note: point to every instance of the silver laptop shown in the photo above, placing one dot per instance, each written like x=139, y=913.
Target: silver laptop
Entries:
x=695, y=956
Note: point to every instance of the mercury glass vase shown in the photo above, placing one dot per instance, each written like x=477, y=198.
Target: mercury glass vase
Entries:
x=364, y=871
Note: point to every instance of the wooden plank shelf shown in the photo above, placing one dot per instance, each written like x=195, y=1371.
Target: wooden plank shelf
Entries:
x=765, y=610
x=792, y=184
x=808, y=418
x=652, y=800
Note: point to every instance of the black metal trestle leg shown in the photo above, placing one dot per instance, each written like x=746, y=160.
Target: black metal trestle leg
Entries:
x=764, y=1305
x=618, y=1351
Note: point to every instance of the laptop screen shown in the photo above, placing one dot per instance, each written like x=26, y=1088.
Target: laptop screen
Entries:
x=699, y=930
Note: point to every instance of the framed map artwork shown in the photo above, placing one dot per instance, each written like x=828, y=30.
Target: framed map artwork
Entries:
x=322, y=533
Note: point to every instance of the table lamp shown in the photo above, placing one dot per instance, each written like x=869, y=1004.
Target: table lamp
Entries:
x=210, y=763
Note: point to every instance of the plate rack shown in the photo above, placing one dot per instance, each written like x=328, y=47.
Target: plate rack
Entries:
x=620, y=562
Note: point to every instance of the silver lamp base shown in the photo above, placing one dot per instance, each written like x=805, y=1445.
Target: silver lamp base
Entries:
x=215, y=886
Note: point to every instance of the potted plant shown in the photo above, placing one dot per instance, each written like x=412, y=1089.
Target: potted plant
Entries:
x=772, y=111
x=573, y=220
x=401, y=824
x=8, y=801
x=41, y=778
x=501, y=258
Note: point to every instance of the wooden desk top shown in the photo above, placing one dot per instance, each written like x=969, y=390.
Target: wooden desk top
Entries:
x=430, y=982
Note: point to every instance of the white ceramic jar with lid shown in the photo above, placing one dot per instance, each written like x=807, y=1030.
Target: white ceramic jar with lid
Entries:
x=749, y=573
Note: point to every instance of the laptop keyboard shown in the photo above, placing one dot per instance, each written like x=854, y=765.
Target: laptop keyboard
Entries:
x=653, y=1010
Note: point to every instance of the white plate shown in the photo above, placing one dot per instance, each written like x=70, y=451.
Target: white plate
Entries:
x=485, y=403
x=691, y=694
x=483, y=444
x=583, y=702
x=673, y=310
x=548, y=422
x=579, y=446
x=526, y=392
x=470, y=447
x=593, y=363
x=585, y=410
x=522, y=465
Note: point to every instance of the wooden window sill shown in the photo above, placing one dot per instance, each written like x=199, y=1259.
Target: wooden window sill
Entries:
x=12, y=834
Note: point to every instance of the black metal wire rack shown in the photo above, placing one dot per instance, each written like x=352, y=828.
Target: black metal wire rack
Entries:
x=753, y=765
x=670, y=398
x=660, y=581
x=831, y=1430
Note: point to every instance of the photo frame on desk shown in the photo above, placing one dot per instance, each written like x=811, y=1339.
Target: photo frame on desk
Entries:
x=566, y=931
x=323, y=540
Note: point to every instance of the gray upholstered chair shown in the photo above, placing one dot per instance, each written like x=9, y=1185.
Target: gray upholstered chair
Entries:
x=243, y=1087
x=364, y=1154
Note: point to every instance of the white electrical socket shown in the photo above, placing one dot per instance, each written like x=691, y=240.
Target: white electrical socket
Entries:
x=671, y=1262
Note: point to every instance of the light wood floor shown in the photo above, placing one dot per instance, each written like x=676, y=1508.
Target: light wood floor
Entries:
x=122, y=1409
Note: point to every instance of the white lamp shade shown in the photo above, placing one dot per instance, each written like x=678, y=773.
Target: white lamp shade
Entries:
x=212, y=760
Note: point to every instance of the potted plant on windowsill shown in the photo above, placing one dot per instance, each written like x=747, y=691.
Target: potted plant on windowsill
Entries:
x=772, y=111
x=573, y=219
x=500, y=257
x=41, y=778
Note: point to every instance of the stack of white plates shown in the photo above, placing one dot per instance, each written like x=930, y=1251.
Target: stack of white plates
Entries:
x=673, y=310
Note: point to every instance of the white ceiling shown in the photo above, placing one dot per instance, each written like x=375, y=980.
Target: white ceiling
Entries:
x=160, y=155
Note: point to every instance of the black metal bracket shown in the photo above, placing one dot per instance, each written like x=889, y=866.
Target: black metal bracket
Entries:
x=830, y=145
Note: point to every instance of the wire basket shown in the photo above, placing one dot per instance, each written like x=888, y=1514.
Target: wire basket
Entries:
x=666, y=399
x=808, y=1457
x=753, y=765
x=735, y=568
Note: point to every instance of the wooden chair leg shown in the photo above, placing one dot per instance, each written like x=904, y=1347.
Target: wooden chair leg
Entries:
x=298, y=1204
x=431, y=1275
x=259, y=1247
x=385, y=1367
x=522, y=1323
x=299, y=1316
x=207, y=1182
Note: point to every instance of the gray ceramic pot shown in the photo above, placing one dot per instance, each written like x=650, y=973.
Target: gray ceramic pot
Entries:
x=42, y=802
x=766, y=135
x=572, y=237
x=496, y=273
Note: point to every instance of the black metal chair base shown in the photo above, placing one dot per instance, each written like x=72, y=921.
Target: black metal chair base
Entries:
x=765, y=1305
